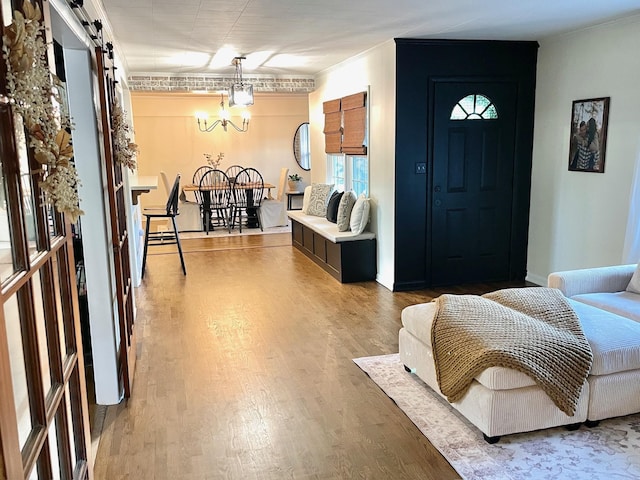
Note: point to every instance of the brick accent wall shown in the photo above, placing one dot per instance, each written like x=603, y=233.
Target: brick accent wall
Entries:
x=159, y=83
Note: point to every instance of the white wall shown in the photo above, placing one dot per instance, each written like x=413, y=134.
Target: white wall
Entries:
x=374, y=69
x=578, y=219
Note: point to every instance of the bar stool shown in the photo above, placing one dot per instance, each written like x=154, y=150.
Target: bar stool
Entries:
x=163, y=237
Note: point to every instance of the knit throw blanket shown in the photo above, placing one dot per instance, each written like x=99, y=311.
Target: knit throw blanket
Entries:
x=533, y=330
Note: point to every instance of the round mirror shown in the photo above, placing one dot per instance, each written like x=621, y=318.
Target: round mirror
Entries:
x=301, y=146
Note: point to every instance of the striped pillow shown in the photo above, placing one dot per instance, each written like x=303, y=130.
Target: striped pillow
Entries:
x=344, y=211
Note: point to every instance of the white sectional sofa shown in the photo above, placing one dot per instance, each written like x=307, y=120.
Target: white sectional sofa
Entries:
x=602, y=287
x=502, y=401
x=608, y=296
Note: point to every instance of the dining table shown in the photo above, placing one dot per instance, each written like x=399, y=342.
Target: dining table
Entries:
x=194, y=188
x=206, y=198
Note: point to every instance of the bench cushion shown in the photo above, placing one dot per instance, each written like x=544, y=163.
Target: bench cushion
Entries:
x=327, y=229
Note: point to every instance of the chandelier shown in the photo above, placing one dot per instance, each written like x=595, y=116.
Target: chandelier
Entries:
x=224, y=120
x=240, y=93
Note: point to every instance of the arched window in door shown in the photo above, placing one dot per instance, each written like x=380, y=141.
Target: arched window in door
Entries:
x=474, y=107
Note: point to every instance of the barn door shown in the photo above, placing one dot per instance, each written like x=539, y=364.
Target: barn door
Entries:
x=117, y=192
x=472, y=189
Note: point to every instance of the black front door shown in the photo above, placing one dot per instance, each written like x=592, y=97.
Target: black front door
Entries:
x=472, y=189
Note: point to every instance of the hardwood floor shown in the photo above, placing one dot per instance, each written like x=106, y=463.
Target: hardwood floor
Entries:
x=245, y=372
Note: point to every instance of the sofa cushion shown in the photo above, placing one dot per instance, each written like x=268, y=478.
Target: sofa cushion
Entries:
x=332, y=206
x=359, y=215
x=634, y=284
x=318, y=199
x=625, y=304
x=344, y=211
x=418, y=320
x=614, y=340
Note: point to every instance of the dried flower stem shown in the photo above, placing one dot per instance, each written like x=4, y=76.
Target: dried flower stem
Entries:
x=32, y=91
x=125, y=151
x=214, y=163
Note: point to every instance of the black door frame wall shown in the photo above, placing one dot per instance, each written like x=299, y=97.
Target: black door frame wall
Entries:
x=418, y=64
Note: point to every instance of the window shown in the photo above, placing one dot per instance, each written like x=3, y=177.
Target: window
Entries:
x=336, y=172
x=349, y=172
x=474, y=107
x=346, y=138
x=359, y=175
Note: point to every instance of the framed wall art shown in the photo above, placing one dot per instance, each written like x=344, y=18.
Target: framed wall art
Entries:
x=588, y=134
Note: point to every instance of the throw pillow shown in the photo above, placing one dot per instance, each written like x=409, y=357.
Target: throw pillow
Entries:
x=634, y=284
x=332, y=206
x=344, y=211
x=305, y=199
x=359, y=215
x=318, y=199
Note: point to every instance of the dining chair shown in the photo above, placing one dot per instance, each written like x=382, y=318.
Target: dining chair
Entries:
x=197, y=176
x=282, y=183
x=215, y=192
x=273, y=212
x=232, y=172
x=246, y=196
x=170, y=211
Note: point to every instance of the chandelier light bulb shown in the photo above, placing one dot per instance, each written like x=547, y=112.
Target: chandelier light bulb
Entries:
x=224, y=119
x=224, y=114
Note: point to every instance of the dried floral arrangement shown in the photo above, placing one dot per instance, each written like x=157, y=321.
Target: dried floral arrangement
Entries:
x=125, y=151
x=32, y=91
x=214, y=163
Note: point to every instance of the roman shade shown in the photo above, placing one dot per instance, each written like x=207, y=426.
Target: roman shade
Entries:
x=354, y=118
x=332, y=126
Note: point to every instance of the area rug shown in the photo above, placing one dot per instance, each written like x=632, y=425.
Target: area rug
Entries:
x=609, y=451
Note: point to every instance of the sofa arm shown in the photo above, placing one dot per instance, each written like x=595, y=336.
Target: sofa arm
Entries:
x=592, y=280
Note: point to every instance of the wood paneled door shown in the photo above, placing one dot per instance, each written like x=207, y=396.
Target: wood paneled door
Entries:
x=44, y=430
x=472, y=197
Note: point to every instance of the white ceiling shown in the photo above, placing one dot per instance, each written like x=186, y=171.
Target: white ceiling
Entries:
x=181, y=36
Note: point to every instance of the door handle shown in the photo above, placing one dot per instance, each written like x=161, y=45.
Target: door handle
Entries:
x=437, y=188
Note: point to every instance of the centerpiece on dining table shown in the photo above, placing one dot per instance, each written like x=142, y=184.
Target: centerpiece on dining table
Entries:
x=214, y=162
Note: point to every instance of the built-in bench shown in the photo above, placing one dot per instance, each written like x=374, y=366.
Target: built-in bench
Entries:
x=347, y=257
